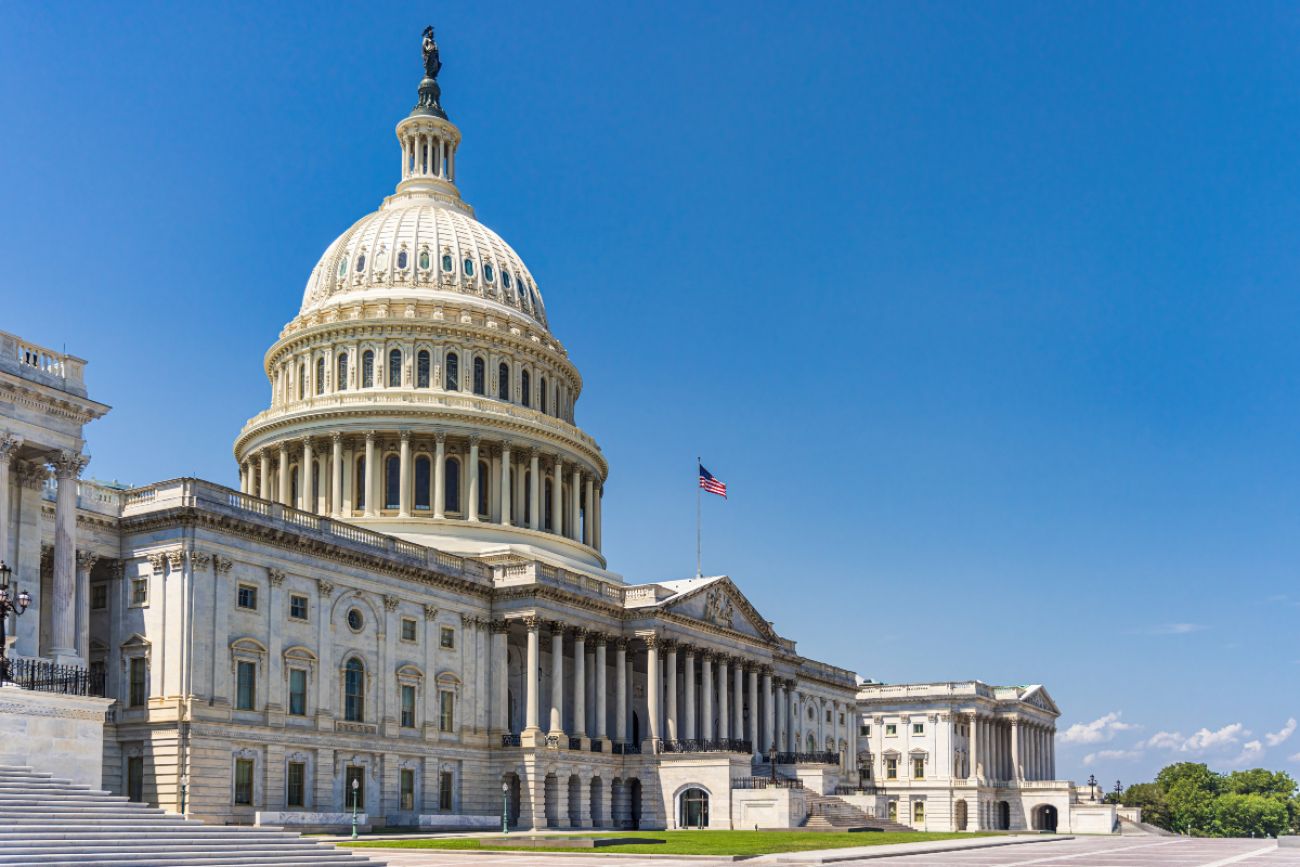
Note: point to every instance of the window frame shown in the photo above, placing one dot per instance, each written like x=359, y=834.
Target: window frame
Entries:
x=306, y=689
x=246, y=592
x=301, y=768
x=248, y=786
x=245, y=684
x=414, y=629
x=305, y=616
x=446, y=638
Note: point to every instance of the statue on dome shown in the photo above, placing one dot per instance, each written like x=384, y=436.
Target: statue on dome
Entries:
x=432, y=63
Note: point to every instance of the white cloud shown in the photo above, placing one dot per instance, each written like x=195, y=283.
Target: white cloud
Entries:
x=1095, y=732
x=1199, y=741
x=1250, y=751
x=1275, y=738
x=1295, y=758
x=1112, y=756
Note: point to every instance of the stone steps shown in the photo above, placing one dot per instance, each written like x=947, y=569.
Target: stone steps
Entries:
x=46, y=822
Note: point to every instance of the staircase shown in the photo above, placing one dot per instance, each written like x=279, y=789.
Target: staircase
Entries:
x=46, y=822
x=829, y=813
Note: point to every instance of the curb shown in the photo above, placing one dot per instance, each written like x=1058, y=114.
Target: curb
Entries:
x=832, y=857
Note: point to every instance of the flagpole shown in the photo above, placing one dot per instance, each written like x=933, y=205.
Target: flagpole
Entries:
x=699, y=570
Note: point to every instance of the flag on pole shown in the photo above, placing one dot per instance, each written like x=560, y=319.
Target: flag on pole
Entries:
x=712, y=485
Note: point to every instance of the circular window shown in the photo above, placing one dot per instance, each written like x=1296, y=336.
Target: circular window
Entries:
x=355, y=620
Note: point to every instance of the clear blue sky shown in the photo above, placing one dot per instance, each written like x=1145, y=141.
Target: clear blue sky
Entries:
x=986, y=312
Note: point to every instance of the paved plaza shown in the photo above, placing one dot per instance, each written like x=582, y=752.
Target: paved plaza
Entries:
x=1078, y=852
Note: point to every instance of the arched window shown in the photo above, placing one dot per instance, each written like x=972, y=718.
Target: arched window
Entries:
x=543, y=394
x=342, y=383
x=401, y=260
x=694, y=809
x=525, y=389
x=446, y=262
x=424, y=260
x=453, y=372
x=488, y=274
x=368, y=369
x=395, y=368
x=451, y=485
x=505, y=279
x=302, y=381
x=320, y=375
x=422, y=467
x=523, y=295
x=361, y=263
x=469, y=267
x=480, y=376
x=354, y=690
x=392, y=482
x=359, y=485
x=422, y=369
x=343, y=267
x=503, y=381
x=484, y=473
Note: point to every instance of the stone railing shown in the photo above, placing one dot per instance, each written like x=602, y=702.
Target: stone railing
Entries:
x=196, y=493
x=937, y=690
x=91, y=496
x=41, y=364
x=827, y=672
x=537, y=572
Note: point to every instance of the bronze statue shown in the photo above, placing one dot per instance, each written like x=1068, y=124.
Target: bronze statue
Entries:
x=431, y=61
x=430, y=92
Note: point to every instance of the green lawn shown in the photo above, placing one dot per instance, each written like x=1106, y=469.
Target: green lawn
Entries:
x=698, y=842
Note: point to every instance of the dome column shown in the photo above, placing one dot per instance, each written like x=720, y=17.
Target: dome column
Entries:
x=404, y=495
x=264, y=475
x=534, y=495
x=369, y=479
x=284, y=475
x=595, y=531
x=473, y=478
x=590, y=495
x=575, y=503
x=306, y=496
x=557, y=498
x=336, y=477
x=506, y=496
x=439, y=474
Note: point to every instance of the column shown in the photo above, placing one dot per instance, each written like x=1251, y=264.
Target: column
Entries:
x=85, y=562
x=782, y=718
x=706, y=696
x=557, y=679
x=531, y=685
x=473, y=478
x=404, y=477
x=589, y=518
x=306, y=496
x=600, y=687
x=976, y=770
x=557, y=497
x=754, y=746
x=724, y=718
x=336, y=480
x=500, y=676
x=371, y=473
x=63, y=646
x=1051, y=754
x=580, y=682
x=670, y=685
x=595, y=531
x=688, y=690
x=8, y=446
x=1017, y=770
x=506, y=497
x=654, y=688
x=264, y=475
x=575, y=503
x=769, y=714
x=738, y=697
x=439, y=474
x=534, y=495
x=620, y=678
x=284, y=475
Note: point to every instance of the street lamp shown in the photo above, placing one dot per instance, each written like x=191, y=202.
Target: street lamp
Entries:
x=355, y=785
x=17, y=607
x=1092, y=787
x=771, y=762
x=505, y=807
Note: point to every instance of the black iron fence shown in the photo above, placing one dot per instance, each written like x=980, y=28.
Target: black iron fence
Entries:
x=628, y=749
x=43, y=676
x=765, y=783
x=510, y=740
x=728, y=745
x=823, y=758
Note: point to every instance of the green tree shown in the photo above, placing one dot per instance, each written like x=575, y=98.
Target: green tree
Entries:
x=1197, y=774
x=1151, y=798
x=1258, y=781
x=1191, y=807
x=1237, y=815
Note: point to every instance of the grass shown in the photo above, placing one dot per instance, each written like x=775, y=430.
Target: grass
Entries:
x=697, y=842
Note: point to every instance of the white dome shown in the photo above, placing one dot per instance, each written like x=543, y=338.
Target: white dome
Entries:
x=417, y=245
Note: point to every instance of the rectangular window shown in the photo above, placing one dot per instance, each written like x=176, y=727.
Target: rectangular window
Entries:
x=297, y=692
x=444, y=790
x=918, y=768
x=890, y=730
x=408, y=629
x=447, y=637
x=244, y=781
x=247, y=597
x=297, y=607
x=135, y=779
x=828, y=714
x=99, y=596
x=408, y=789
x=246, y=685
x=139, y=693
x=841, y=719
x=891, y=769
x=864, y=731
x=295, y=780
x=408, y=706
x=139, y=592
x=893, y=811
x=446, y=711
x=918, y=812
x=918, y=728
x=354, y=782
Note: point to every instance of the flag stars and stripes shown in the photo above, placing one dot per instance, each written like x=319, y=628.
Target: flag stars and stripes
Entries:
x=712, y=485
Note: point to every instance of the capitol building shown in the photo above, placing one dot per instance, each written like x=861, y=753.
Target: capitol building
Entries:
x=405, y=604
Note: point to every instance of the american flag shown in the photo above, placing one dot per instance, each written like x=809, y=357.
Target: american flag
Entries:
x=712, y=485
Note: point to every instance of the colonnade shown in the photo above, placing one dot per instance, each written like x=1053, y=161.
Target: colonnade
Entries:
x=403, y=475
x=427, y=154
x=1004, y=749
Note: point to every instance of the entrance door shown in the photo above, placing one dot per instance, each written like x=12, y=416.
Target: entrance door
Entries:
x=1004, y=816
x=1045, y=820
x=354, y=775
x=635, y=787
x=135, y=779
x=694, y=809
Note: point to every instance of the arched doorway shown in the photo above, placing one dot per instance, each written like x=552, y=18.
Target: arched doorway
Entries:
x=576, y=819
x=634, y=792
x=1045, y=818
x=1003, y=816
x=512, y=798
x=597, y=802
x=959, y=810
x=693, y=808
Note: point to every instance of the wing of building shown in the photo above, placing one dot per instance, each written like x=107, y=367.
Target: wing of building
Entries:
x=405, y=605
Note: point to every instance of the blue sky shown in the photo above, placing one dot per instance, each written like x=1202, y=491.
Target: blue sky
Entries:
x=985, y=312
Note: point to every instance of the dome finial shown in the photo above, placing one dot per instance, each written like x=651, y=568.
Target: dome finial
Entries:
x=430, y=92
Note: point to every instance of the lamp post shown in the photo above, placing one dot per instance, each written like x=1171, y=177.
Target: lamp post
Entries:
x=355, y=785
x=7, y=605
x=505, y=807
x=771, y=762
x=1092, y=787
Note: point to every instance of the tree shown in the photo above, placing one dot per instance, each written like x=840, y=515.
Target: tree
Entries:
x=1194, y=773
x=1191, y=807
x=1151, y=798
x=1237, y=815
x=1258, y=781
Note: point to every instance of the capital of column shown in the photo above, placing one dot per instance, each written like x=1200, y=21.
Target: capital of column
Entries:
x=8, y=445
x=406, y=436
x=500, y=627
x=69, y=464
x=440, y=437
x=690, y=651
x=475, y=439
x=370, y=437
x=652, y=639
x=620, y=642
x=598, y=639
x=557, y=627
x=580, y=633
x=669, y=645
x=533, y=623
x=87, y=560
x=337, y=438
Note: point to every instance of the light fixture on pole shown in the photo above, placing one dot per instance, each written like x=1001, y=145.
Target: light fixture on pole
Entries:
x=505, y=807
x=9, y=604
x=355, y=785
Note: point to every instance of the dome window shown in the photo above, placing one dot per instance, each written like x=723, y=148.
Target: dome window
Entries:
x=453, y=372
x=469, y=267
x=401, y=260
x=505, y=279
x=342, y=383
x=343, y=267
x=424, y=260
x=422, y=369
x=446, y=262
x=525, y=386
x=488, y=274
x=368, y=369
x=361, y=263
x=503, y=380
x=395, y=368
x=480, y=376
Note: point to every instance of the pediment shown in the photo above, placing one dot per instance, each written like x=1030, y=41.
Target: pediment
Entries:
x=1038, y=697
x=720, y=603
